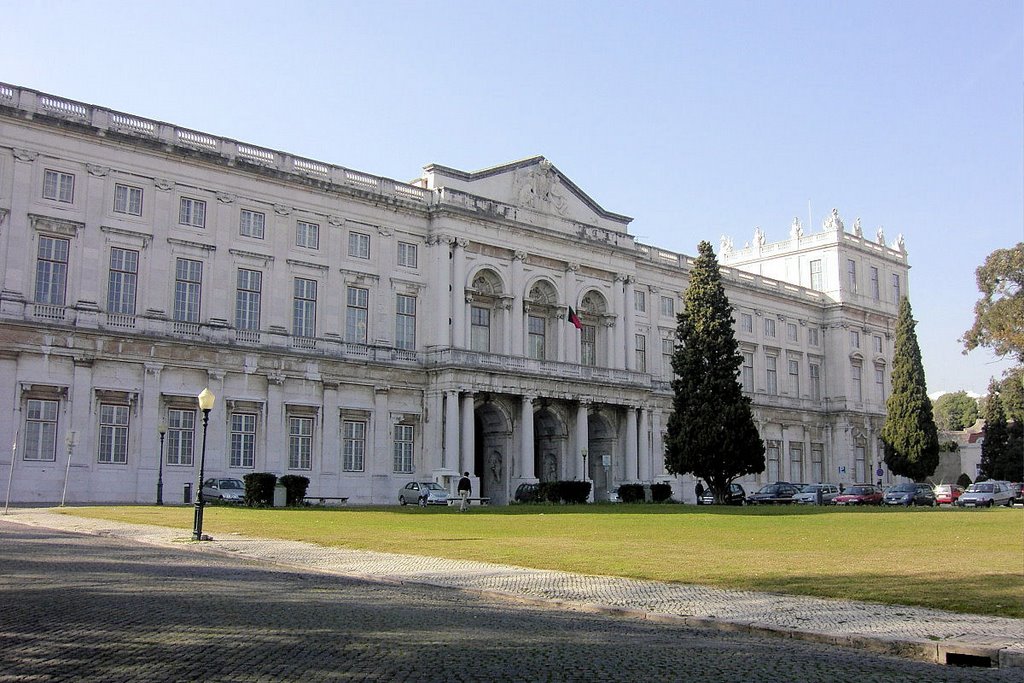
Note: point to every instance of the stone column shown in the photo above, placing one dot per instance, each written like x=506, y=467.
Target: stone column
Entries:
x=658, y=444
x=516, y=314
x=629, y=314
x=451, y=431
x=433, y=431
x=526, y=454
x=218, y=449
x=149, y=451
x=582, y=440
x=459, y=293
x=381, y=460
x=643, y=445
x=468, y=433
x=631, y=441
x=618, y=360
x=330, y=437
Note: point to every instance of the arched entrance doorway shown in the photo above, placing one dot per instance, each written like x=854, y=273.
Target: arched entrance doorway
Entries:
x=549, y=446
x=493, y=460
x=603, y=468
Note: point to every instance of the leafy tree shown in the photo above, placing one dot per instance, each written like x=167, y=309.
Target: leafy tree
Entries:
x=909, y=435
x=955, y=411
x=1001, y=451
x=1011, y=394
x=711, y=431
x=999, y=314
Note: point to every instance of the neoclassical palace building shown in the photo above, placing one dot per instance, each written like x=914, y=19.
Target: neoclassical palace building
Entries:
x=365, y=332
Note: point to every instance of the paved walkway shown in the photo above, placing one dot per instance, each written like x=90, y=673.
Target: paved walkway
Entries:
x=913, y=632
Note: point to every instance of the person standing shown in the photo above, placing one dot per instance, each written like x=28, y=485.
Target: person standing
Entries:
x=698, y=491
x=464, y=488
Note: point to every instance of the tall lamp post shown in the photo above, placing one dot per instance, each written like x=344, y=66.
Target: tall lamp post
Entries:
x=161, y=430
x=206, y=399
x=69, y=441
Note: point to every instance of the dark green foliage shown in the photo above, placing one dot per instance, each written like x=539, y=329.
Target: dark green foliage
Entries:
x=711, y=432
x=999, y=314
x=909, y=434
x=296, y=487
x=963, y=480
x=661, y=492
x=1002, y=451
x=955, y=411
x=572, y=492
x=631, y=493
x=259, y=489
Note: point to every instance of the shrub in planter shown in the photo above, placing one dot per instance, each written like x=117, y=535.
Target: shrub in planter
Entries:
x=631, y=493
x=296, y=486
x=575, y=492
x=547, y=492
x=259, y=489
x=661, y=492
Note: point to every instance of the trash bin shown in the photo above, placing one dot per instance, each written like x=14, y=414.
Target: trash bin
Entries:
x=188, y=493
x=280, y=496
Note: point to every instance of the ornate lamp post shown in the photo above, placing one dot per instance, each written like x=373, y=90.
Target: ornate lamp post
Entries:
x=161, y=430
x=206, y=399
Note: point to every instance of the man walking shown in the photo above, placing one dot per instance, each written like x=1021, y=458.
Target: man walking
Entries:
x=465, y=486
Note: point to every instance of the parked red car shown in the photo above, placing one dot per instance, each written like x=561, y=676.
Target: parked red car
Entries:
x=946, y=494
x=859, y=494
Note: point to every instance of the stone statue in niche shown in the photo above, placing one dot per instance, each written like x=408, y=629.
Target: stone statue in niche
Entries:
x=549, y=472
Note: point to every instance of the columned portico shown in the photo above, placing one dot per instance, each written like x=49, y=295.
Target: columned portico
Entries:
x=468, y=445
x=582, y=438
x=643, y=445
x=526, y=440
x=632, y=474
x=451, y=431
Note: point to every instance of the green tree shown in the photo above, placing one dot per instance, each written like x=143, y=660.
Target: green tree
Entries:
x=999, y=314
x=711, y=432
x=1002, y=456
x=909, y=435
x=955, y=411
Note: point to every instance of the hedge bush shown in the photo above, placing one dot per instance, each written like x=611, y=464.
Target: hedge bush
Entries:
x=259, y=489
x=296, y=486
x=571, y=492
x=661, y=492
x=631, y=493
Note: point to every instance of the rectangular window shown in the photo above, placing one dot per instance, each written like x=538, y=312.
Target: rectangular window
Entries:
x=875, y=292
x=407, y=255
x=128, y=199
x=812, y=336
x=880, y=382
x=772, y=374
x=747, y=372
x=796, y=462
x=792, y=334
x=192, y=212
x=877, y=341
x=588, y=345
x=480, y=329
x=769, y=328
x=40, y=441
x=854, y=339
x=300, y=443
x=252, y=224
x=851, y=275
x=859, y=463
x=58, y=186
x=51, y=270
x=668, y=348
x=403, y=448
x=124, y=268
x=304, y=308
x=794, y=377
x=816, y=275
x=113, y=434
x=243, y=440
x=356, y=314
x=640, y=300
x=896, y=291
x=772, y=452
x=536, y=330
x=181, y=432
x=641, y=353
x=817, y=462
x=307, y=235
x=815, y=373
x=405, y=322
x=247, y=299
x=747, y=323
x=354, y=445
x=855, y=386
x=668, y=307
x=358, y=245
x=188, y=278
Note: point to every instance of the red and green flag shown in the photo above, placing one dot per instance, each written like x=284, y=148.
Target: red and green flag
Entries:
x=574, y=319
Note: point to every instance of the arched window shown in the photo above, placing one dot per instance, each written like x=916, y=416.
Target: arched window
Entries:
x=540, y=307
x=487, y=290
x=593, y=309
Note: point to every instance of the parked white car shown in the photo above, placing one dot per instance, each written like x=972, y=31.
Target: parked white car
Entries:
x=809, y=494
x=986, y=494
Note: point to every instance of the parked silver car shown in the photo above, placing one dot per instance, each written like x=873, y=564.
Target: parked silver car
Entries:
x=985, y=494
x=422, y=493
x=809, y=494
x=228, y=490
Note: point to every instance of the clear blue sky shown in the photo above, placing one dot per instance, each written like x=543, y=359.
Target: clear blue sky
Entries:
x=696, y=118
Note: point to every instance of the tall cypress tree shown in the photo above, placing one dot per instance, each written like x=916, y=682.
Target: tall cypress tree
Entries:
x=711, y=432
x=1001, y=455
x=909, y=435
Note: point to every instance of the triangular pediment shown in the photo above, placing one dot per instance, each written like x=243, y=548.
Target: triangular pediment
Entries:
x=533, y=185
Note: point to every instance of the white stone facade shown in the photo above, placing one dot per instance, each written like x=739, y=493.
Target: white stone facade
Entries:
x=364, y=332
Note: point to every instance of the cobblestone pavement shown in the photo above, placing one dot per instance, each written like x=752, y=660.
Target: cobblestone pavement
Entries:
x=132, y=602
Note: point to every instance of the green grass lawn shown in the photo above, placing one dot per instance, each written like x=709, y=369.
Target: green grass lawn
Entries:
x=961, y=560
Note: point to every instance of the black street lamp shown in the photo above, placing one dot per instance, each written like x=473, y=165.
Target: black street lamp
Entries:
x=206, y=399
x=161, y=430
